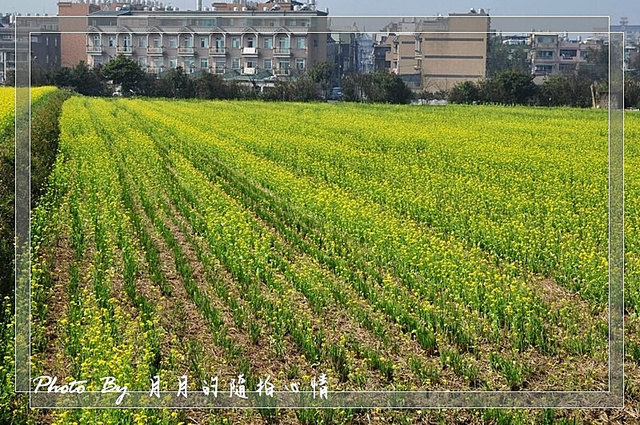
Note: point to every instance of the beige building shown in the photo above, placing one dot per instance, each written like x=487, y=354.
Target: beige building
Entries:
x=73, y=23
x=435, y=54
x=275, y=37
x=554, y=54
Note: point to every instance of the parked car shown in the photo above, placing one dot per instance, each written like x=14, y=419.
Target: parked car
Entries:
x=336, y=94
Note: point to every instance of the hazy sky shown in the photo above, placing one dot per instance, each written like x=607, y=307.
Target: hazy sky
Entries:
x=615, y=9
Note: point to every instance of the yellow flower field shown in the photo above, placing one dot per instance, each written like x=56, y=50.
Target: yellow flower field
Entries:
x=388, y=248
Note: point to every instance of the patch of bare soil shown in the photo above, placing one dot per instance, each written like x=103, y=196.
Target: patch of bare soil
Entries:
x=56, y=362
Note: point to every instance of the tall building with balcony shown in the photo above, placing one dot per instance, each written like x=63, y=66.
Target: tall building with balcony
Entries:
x=554, y=54
x=233, y=39
x=73, y=23
x=437, y=53
x=35, y=32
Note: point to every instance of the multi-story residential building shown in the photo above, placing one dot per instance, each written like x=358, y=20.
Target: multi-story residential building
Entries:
x=437, y=53
x=342, y=51
x=7, y=47
x=553, y=54
x=40, y=32
x=275, y=37
x=365, y=53
x=73, y=24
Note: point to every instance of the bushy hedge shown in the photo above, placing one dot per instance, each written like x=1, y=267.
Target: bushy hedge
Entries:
x=517, y=88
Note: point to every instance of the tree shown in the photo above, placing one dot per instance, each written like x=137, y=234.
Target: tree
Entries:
x=175, y=83
x=566, y=90
x=465, y=92
x=380, y=87
x=497, y=56
x=88, y=81
x=320, y=73
x=126, y=73
x=63, y=78
x=634, y=66
x=511, y=88
x=501, y=57
x=353, y=87
x=596, y=67
x=632, y=94
x=301, y=89
x=210, y=86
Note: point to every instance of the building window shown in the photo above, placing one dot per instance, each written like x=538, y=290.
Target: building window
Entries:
x=142, y=41
x=285, y=65
x=547, y=39
x=251, y=42
x=173, y=63
x=219, y=43
x=142, y=61
x=567, y=67
x=55, y=42
x=189, y=64
x=544, y=69
x=268, y=63
x=126, y=41
x=570, y=53
x=157, y=63
x=268, y=43
x=204, y=63
x=544, y=54
x=220, y=66
x=112, y=41
x=204, y=42
x=300, y=64
x=157, y=42
x=283, y=43
x=173, y=42
x=235, y=63
x=188, y=41
x=250, y=64
x=235, y=43
x=301, y=43
x=96, y=40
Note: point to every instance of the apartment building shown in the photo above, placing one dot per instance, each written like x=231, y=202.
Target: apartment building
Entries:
x=36, y=34
x=555, y=54
x=276, y=37
x=437, y=53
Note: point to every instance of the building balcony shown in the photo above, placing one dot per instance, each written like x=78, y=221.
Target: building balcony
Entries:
x=540, y=45
x=155, y=51
x=282, y=71
x=218, y=51
x=250, y=51
x=281, y=52
x=95, y=50
x=249, y=71
x=155, y=69
x=186, y=51
x=124, y=50
x=569, y=58
x=219, y=70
